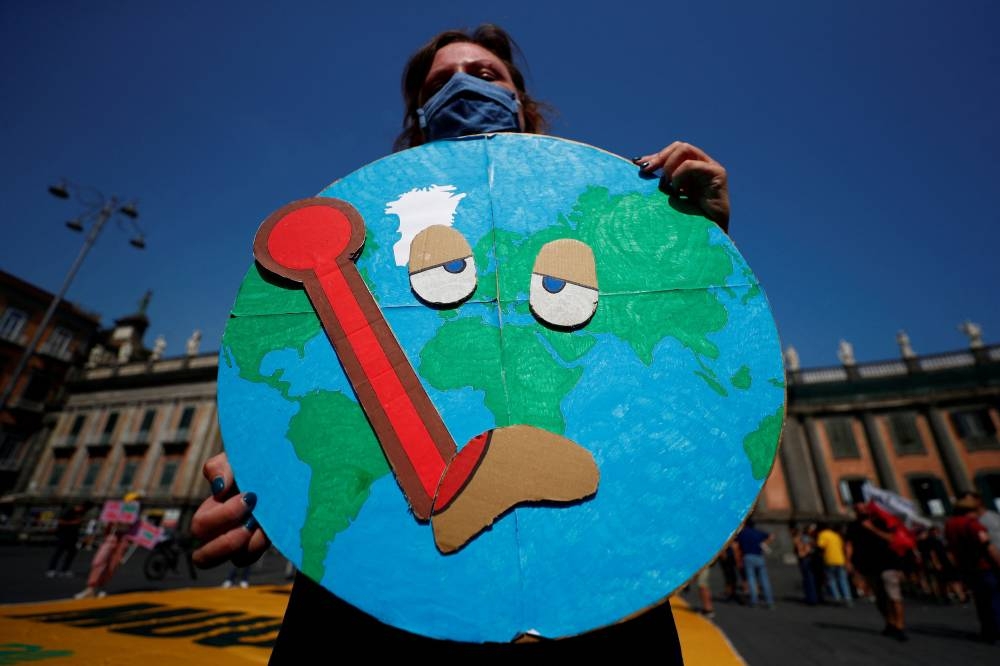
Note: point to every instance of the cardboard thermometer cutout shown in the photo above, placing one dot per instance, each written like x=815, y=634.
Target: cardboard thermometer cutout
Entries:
x=499, y=384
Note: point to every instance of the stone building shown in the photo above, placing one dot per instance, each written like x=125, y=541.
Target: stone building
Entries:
x=146, y=425
x=924, y=427
x=38, y=388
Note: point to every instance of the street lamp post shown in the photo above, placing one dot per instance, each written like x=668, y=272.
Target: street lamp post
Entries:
x=101, y=212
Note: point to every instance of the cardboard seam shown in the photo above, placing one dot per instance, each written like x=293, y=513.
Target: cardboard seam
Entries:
x=503, y=380
x=605, y=294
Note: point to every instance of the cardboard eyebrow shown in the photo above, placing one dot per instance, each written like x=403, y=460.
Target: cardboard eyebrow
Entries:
x=567, y=259
x=436, y=245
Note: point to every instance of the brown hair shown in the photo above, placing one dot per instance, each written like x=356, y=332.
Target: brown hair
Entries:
x=492, y=38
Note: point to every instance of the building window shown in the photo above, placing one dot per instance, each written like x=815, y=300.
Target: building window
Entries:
x=840, y=433
x=38, y=388
x=128, y=473
x=10, y=451
x=55, y=476
x=930, y=493
x=12, y=322
x=850, y=490
x=988, y=485
x=184, y=424
x=93, y=471
x=976, y=428
x=58, y=343
x=168, y=474
x=905, y=434
x=147, y=424
x=74, y=431
x=109, y=429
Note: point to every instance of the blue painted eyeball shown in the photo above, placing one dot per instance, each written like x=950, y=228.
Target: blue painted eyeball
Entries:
x=552, y=285
x=456, y=266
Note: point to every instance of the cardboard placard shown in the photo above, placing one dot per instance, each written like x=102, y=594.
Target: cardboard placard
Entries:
x=471, y=470
x=118, y=511
x=147, y=535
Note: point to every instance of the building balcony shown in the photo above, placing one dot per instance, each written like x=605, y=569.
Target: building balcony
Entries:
x=179, y=436
x=20, y=339
x=65, y=441
x=104, y=439
x=59, y=354
x=141, y=437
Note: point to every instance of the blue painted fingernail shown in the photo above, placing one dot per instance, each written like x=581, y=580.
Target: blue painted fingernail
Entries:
x=636, y=159
x=251, y=524
x=218, y=483
x=250, y=499
x=644, y=164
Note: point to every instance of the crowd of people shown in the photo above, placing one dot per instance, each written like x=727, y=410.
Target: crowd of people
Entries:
x=878, y=557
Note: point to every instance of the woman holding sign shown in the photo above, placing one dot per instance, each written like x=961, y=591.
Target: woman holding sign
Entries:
x=458, y=84
x=122, y=519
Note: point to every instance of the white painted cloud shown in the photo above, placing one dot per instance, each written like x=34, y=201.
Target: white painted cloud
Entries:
x=418, y=209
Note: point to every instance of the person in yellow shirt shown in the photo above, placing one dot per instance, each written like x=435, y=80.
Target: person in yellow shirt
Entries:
x=834, y=561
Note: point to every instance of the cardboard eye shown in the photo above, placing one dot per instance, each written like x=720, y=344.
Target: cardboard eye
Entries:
x=563, y=291
x=442, y=270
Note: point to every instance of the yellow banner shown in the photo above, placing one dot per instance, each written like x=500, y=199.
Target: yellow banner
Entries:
x=214, y=627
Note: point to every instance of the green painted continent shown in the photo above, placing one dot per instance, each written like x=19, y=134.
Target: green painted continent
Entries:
x=761, y=444
x=331, y=434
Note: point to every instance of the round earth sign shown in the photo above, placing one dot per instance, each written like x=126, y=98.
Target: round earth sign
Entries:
x=592, y=312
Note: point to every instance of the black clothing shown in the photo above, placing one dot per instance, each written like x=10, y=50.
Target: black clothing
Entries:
x=314, y=616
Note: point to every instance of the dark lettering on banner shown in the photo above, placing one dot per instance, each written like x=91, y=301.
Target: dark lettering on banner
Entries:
x=215, y=628
x=233, y=638
x=70, y=617
x=192, y=626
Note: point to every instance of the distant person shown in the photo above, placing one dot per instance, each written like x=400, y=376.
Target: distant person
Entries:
x=978, y=562
x=701, y=580
x=243, y=573
x=731, y=567
x=988, y=518
x=870, y=536
x=803, y=546
x=835, y=564
x=67, y=536
x=752, y=543
x=109, y=556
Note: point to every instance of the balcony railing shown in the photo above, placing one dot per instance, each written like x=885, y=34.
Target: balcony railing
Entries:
x=181, y=435
x=17, y=338
x=138, y=437
x=899, y=367
x=104, y=439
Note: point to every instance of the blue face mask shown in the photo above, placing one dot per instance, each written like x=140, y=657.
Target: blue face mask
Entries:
x=469, y=105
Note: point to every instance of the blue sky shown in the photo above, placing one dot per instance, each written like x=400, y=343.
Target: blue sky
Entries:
x=861, y=139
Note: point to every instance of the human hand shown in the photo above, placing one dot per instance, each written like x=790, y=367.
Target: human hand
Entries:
x=223, y=523
x=689, y=171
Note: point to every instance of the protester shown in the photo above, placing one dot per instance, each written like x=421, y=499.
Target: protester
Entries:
x=870, y=536
x=109, y=556
x=978, y=562
x=752, y=544
x=445, y=97
x=67, y=536
x=243, y=573
x=988, y=518
x=804, y=545
x=732, y=577
x=705, y=591
x=835, y=563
